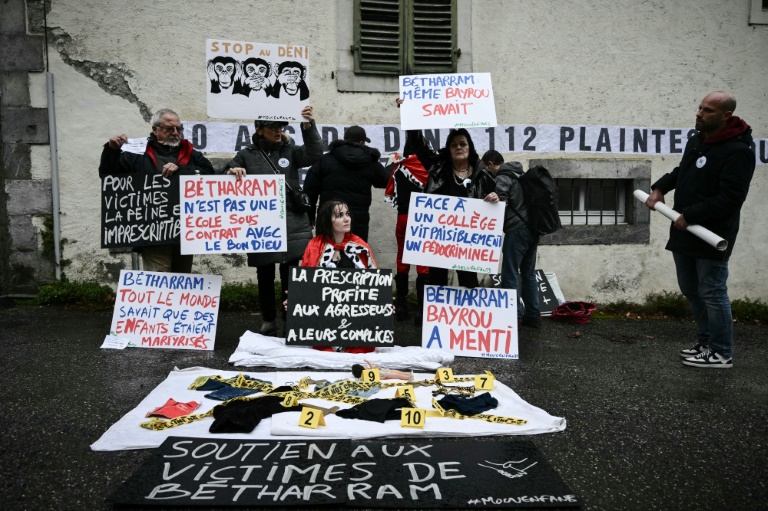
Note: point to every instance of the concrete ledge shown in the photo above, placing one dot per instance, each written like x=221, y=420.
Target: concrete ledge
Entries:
x=599, y=235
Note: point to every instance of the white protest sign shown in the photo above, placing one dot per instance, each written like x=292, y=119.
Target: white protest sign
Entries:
x=462, y=100
x=479, y=322
x=135, y=145
x=167, y=310
x=223, y=215
x=249, y=80
x=454, y=233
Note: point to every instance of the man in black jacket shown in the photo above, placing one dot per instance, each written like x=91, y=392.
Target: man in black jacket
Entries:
x=347, y=172
x=711, y=184
x=167, y=155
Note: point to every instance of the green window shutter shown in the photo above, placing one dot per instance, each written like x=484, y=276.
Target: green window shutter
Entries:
x=405, y=36
x=433, y=44
x=378, y=38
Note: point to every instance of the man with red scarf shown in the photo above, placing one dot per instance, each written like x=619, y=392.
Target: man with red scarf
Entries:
x=169, y=155
x=711, y=184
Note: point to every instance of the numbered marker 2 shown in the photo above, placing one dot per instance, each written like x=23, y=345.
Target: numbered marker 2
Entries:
x=311, y=418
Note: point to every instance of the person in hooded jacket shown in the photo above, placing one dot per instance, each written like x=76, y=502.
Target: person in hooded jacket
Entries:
x=347, y=172
x=518, y=253
x=711, y=184
x=270, y=141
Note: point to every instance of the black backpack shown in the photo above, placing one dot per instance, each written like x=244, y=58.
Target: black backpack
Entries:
x=540, y=194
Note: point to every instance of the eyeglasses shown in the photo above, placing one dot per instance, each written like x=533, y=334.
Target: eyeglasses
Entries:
x=170, y=129
x=276, y=127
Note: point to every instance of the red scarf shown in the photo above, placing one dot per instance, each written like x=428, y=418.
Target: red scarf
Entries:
x=353, y=246
x=185, y=153
x=733, y=128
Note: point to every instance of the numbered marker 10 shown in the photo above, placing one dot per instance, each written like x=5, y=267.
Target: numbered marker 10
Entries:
x=413, y=418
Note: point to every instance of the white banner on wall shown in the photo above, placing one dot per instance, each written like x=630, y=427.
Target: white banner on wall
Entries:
x=248, y=80
x=228, y=137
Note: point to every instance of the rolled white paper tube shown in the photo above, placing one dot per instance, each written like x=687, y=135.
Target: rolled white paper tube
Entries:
x=700, y=232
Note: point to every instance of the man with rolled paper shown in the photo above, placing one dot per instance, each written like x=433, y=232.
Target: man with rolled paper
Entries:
x=711, y=184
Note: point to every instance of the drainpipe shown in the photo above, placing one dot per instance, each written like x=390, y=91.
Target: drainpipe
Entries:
x=55, y=205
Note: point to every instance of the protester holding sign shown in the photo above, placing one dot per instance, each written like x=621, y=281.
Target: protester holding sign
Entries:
x=167, y=156
x=273, y=151
x=457, y=171
x=519, y=250
x=336, y=247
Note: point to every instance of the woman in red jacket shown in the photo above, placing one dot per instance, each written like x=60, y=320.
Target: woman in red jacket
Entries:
x=336, y=247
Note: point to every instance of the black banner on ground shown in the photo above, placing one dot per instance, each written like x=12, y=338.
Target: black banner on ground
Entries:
x=429, y=473
x=340, y=307
x=547, y=298
x=139, y=210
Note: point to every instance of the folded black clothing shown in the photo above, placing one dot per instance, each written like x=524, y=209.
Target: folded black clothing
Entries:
x=469, y=405
x=376, y=410
x=240, y=416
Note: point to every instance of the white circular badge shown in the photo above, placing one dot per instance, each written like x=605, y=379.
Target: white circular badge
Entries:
x=701, y=162
x=283, y=162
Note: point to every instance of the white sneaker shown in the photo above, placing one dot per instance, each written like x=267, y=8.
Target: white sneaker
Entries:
x=694, y=350
x=709, y=359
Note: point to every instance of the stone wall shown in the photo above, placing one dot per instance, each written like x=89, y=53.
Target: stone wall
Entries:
x=24, y=201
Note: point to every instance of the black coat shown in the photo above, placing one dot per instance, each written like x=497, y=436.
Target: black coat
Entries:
x=440, y=168
x=287, y=158
x=509, y=190
x=346, y=172
x=711, y=184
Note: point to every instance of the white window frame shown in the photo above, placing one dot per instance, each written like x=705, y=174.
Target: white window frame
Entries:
x=757, y=14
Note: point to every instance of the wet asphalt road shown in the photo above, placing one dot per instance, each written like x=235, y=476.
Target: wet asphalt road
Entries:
x=644, y=432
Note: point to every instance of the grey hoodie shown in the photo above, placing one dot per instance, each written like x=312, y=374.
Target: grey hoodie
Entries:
x=509, y=190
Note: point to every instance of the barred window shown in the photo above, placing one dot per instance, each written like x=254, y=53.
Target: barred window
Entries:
x=397, y=37
x=592, y=201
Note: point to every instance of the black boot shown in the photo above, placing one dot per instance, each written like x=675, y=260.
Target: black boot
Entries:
x=401, y=291
x=421, y=281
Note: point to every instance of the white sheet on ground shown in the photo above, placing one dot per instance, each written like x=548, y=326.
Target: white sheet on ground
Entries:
x=127, y=434
x=258, y=350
